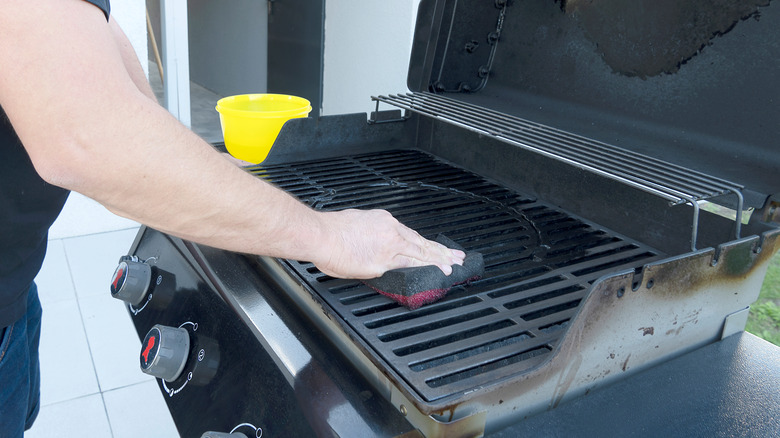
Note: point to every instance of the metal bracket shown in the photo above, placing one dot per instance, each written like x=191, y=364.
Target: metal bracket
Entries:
x=375, y=120
x=735, y=322
x=695, y=226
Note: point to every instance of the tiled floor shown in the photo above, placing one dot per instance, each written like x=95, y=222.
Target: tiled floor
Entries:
x=91, y=384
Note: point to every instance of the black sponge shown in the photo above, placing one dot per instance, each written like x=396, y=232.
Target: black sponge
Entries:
x=414, y=287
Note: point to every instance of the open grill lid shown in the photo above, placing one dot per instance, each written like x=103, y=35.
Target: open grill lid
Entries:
x=692, y=83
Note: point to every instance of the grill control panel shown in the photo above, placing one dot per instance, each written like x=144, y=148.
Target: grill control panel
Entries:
x=212, y=372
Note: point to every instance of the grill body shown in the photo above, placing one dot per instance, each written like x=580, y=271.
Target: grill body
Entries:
x=584, y=176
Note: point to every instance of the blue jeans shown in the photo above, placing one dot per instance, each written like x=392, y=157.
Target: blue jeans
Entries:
x=20, y=376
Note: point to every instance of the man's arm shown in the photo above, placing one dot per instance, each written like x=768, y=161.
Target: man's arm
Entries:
x=130, y=60
x=88, y=126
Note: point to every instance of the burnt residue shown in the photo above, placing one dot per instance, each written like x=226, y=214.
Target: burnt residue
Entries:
x=692, y=317
x=651, y=37
x=740, y=261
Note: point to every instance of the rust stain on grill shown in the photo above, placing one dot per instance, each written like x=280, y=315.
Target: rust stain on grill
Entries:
x=625, y=363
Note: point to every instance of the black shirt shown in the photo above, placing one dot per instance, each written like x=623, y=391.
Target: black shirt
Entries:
x=28, y=207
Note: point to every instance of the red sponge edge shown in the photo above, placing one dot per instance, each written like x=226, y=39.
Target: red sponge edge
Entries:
x=419, y=299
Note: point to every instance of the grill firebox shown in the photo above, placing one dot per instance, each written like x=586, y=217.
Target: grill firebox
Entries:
x=539, y=264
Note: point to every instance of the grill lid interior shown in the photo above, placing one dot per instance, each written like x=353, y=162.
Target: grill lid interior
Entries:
x=693, y=82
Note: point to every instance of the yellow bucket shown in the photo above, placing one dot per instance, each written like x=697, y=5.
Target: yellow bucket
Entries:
x=251, y=122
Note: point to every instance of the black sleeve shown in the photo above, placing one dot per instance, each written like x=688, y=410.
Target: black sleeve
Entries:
x=104, y=5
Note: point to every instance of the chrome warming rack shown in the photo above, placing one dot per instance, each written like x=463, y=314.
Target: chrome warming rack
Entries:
x=677, y=184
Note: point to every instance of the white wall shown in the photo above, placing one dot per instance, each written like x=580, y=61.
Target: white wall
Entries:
x=229, y=33
x=131, y=16
x=367, y=47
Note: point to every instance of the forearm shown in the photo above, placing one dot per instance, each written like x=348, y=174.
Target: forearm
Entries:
x=173, y=181
x=195, y=230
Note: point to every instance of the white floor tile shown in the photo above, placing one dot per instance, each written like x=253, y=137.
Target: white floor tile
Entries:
x=113, y=342
x=93, y=259
x=139, y=411
x=54, y=280
x=67, y=371
x=82, y=216
x=83, y=417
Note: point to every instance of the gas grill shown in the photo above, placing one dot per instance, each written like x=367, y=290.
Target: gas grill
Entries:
x=624, y=237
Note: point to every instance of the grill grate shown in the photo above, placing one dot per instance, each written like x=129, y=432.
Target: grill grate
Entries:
x=539, y=264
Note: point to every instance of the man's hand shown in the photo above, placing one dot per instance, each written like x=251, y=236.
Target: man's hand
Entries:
x=364, y=244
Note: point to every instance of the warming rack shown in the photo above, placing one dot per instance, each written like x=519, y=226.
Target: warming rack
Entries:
x=677, y=184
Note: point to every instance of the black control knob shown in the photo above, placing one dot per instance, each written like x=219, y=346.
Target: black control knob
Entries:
x=165, y=351
x=222, y=435
x=131, y=280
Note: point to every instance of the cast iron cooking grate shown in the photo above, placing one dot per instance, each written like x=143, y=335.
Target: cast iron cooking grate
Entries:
x=539, y=265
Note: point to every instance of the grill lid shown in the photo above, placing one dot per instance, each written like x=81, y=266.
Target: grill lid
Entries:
x=692, y=83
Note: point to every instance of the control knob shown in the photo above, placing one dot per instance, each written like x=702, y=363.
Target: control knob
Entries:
x=164, y=352
x=222, y=435
x=131, y=280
